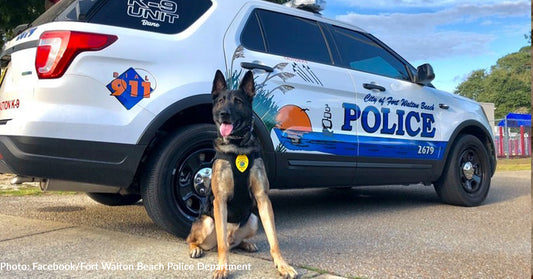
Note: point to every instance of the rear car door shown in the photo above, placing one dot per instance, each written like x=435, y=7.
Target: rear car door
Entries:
x=395, y=119
x=297, y=89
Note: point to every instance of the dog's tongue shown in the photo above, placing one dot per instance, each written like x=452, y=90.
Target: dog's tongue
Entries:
x=225, y=129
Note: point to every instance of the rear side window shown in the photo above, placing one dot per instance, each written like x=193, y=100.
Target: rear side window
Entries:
x=162, y=16
x=252, y=36
x=66, y=10
x=286, y=35
x=360, y=53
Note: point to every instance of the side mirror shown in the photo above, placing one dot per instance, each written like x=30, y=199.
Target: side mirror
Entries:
x=425, y=74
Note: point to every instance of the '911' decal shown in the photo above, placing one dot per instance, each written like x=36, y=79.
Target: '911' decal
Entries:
x=130, y=87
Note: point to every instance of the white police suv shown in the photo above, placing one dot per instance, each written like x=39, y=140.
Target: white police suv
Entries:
x=113, y=98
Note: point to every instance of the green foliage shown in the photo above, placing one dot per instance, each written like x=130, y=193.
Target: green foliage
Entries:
x=17, y=12
x=507, y=84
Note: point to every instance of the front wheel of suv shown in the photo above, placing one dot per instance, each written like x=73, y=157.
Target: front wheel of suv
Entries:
x=466, y=177
x=176, y=177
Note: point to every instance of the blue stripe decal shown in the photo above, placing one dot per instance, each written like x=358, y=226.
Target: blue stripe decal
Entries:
x=346, y=145
x=401, y=148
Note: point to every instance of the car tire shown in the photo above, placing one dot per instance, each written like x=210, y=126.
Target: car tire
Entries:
x=466, y=177
x=114, y=199
x=168, y=186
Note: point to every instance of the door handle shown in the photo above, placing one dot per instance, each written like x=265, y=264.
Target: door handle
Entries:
x=444, y=106
x=373, y=86
x=256, y=66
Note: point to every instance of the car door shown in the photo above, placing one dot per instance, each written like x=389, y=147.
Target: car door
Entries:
x=297, y=93
x=399, y=139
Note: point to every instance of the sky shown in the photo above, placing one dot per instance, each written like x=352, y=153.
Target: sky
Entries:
x=456, y=37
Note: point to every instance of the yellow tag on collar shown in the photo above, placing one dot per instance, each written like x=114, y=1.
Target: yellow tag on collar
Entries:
x=241, y=162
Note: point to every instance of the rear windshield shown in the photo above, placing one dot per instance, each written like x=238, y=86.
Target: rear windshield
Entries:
x=162, y=16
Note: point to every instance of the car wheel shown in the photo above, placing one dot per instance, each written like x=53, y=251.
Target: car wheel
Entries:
x=176, y=177
x=114, y=199
x=466, y=177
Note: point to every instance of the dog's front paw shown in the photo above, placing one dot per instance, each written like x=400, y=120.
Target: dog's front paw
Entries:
x=286, y=271
x=196, y=252
x=221, y=273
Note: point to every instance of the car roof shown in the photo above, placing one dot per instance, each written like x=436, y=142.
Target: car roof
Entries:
x=296, y=12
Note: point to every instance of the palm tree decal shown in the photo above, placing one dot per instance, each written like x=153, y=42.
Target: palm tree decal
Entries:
x=264, y=105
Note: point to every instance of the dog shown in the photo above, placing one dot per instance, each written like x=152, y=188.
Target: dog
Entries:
x=239, y=183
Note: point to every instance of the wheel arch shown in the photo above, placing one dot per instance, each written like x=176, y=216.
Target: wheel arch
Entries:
x=196, y=110
x=175, y=114
x=478, y=130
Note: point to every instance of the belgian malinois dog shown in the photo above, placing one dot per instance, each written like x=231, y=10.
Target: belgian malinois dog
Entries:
x=239, y=183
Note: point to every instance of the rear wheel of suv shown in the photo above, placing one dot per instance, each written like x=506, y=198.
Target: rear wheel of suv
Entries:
x=114, y=199
x=173, y=185
x=466, y=177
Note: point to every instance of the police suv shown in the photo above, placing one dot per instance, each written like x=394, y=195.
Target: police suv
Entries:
x=113, y=98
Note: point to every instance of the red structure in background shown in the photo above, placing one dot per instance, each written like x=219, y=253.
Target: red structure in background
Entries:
x=514, y=139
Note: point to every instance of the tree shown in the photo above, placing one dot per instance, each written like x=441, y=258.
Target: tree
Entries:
x=507, y=84
x=14, y=13
x=473, y=89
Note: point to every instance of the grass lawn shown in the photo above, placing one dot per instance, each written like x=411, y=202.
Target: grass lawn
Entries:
x=25, y=189
x=514, y=164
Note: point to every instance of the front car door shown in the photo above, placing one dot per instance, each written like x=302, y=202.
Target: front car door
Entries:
x=399, y=138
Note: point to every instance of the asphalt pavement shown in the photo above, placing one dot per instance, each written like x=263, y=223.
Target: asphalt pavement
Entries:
x=370, y=232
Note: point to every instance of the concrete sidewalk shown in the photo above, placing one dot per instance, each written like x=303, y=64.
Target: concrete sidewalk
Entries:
x=42, y=249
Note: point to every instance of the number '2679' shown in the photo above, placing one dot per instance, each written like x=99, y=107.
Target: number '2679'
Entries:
x=426, y=150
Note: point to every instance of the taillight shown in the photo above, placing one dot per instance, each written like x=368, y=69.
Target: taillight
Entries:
x=57, y=49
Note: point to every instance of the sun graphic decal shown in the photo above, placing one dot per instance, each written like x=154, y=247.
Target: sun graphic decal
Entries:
x=292, y=117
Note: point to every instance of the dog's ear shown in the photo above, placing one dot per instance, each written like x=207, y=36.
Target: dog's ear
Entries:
x=219, y=83
x=248, y=84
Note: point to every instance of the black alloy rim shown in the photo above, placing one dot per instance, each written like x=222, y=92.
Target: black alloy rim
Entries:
x=471, y=170
x=187, y=199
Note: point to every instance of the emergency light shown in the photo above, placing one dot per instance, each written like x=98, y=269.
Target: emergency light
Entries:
x=314, y=6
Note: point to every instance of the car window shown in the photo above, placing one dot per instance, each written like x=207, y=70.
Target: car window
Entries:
x=360, y=53
x=66, y=10
x=293, y=37
x=165, y=16
x=251, y=36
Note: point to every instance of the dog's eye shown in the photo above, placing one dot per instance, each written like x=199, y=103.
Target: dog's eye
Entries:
x=237, y=101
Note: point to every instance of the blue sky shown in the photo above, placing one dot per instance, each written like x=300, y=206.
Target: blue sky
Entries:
x=455, y=36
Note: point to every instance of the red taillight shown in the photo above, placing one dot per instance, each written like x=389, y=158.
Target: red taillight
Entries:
x=57, y=49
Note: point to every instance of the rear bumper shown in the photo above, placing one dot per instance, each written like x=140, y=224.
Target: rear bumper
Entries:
x=109, y=164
